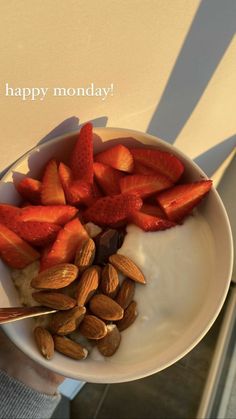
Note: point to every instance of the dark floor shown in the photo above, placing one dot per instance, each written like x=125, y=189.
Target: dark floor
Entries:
x=172, y=393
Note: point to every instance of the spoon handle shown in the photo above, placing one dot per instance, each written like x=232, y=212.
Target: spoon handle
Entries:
x=11, y=314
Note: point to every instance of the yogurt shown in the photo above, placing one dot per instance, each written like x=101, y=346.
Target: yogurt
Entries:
x=177, y=264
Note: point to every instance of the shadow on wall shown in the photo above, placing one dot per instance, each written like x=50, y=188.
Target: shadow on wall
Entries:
x=210, y=34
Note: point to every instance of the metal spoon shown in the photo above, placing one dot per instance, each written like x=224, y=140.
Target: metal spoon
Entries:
x=11, y=314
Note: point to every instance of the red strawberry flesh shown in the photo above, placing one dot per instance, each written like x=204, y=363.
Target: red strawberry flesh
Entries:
x=57, y=214
x=82, y=155
x=52, y=190
x=112, y=209
x=179, y=201
x=30, y=189
x=118, y=157
x=162, y=161
x=144, y=185
x=63, y=250
x=150, y=223
x=107, y=178
x=15, y=251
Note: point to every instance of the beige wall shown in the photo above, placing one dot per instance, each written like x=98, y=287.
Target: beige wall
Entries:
x=131, y=43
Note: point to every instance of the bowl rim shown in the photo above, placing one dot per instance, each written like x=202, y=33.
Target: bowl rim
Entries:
x=196, y=340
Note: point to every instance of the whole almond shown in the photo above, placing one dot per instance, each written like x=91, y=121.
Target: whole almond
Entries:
x=69, y=348
x=127, y=267
x=110, y=281
x=54, y=300
x=126, y=293
x=87, y=285
x=58, y=276
x=65, y=322
x=92, y=327
x=104, y=307
x=108, y=345
x=44, y=342
x=129, y=317
x=85, y=255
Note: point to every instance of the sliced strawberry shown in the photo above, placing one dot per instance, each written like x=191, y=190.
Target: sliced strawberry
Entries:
x=15, y=251
x=140, y=169
x=69, y=238
x=82, y=155
x=179, y=201
x=111, y=209
x=161, y=161
x=144, y=185
x=107, y=178
x=34, y=232
x=150, y=223
x=118, y=157
x=30, y=189
x=57, y=214
x=52, y=190
x=154, y=210
x=76, y=191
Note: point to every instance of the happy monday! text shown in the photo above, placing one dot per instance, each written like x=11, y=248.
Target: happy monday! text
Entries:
x=40, y=93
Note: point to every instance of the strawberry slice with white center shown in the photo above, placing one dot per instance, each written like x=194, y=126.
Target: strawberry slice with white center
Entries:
x=118, y=157
x=15, y=251
x=112, y=209
x=162, y=161
x=179, y=201
x=63, y=250
x=107, y=178
x=57, y=214
x=30, y=189
x=144, y=185
x=52, y=190
x=35, y=232
x=82, y=155
x=76, y=191
x=150, y=223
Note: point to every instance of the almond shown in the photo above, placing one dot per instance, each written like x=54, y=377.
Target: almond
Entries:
x=106, y=308
x=85, y=255
x=110, y=281
x=44, y=342
x=58, y=276
x=54, y=300
x=65, y=322
x=92, y=327
x=126, y=293
x=129, y=317
x=69, y=348
x=88, y=284
x=110, y=343
x=127, y=267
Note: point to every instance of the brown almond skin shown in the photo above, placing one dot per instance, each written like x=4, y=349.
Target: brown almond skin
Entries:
x=108, y=345
x=65, y=322
x=54, y=300
x=44, y=341
x=56, y=277
x=104, y=307
x=92, y=327
x=129, y=317
x=69, y=348
x=126, y=293
x=88, y=284
x=127, y=267
x=110, y=281
x=85, y=255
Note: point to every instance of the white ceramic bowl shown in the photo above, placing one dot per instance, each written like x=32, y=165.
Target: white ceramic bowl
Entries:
x=187, y=333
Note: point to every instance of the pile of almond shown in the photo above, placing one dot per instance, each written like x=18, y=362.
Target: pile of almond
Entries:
x=88, y=299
